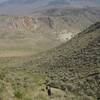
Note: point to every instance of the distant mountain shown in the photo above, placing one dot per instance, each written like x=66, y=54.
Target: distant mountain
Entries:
x=58, y=2
x=19, y=2
x=46, y=28
x=85, y=2
x=20, y=6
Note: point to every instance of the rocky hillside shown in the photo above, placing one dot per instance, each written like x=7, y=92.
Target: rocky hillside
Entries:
x=72, y=71
x=73, y=66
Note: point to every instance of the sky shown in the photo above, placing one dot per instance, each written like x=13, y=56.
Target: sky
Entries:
x=2, y=1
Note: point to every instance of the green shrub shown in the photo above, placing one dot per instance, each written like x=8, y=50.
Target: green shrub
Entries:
x=18, y=94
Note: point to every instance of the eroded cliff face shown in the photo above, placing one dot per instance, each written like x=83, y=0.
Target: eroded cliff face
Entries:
x=51, y=21
x=28, y=26
x=15, y=23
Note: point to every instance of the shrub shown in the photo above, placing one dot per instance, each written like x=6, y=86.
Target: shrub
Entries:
x=18, y=94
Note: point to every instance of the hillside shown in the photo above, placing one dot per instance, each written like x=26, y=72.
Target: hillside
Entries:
x=49, y=45
x=25, y=35
x=75, y=65
x=43, y=30
x=72, y=69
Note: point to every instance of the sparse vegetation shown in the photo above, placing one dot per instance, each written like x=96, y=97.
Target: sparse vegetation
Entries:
x=74, y=66
x=73, y=70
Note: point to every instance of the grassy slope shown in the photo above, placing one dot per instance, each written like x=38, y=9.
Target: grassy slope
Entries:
x=20, y=83
x=74, y=66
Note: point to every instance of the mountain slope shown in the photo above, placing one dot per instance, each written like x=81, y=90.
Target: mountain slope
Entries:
x=74, y=66
x=42, y=30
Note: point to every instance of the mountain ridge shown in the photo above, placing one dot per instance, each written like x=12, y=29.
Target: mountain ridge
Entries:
x=11, y=6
